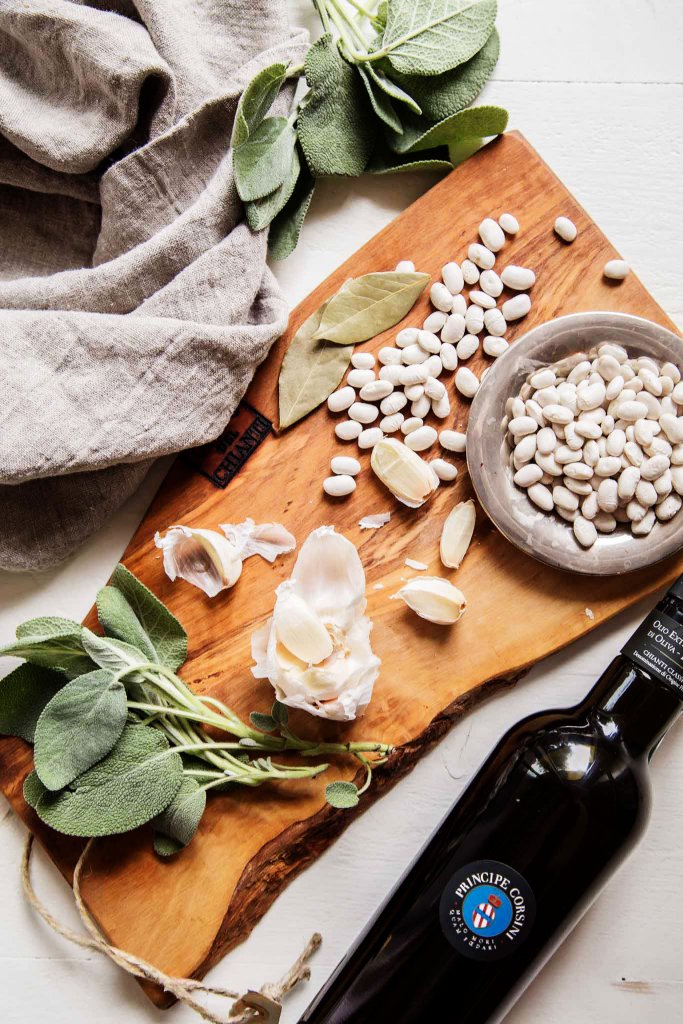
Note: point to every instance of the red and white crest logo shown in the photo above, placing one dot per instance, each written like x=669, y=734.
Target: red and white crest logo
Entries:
x=486, y=912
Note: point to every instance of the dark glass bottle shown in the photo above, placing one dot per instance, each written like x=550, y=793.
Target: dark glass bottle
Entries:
x=550, y=815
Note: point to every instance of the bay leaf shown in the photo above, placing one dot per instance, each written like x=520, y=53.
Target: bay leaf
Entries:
x=440, y=96
x=428, y=37
x=24, y=692
x=180, y=820
x=78, y=727
x=311, y=370
x=473, y=123
x=286, y=227
x=166, y=633
x=368, y=305
x=261, y=212
x=134, y=783
x=262, y=163
x=256, y=101
x=336, y=125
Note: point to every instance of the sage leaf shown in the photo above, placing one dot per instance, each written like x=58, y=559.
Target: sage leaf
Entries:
x=384, y=161
x=256, y=101
x=380, y=18
x=280, y=713
x=369, y=305
x=443, y=95
x=118, y=620
x=428, y=37
x=261, y=212
x=23, y=695
x=33, y=789
x=116, y=655
x=391, y=87
x=180, y=820
x=310, y=371
x=458, y=152
x=262, y=162
x=78, y=727
x=335, y=125
x=474, y=123
x=165, y=632
x=342, y=795
x=164, y=846
x=380, y=101
x=51, y=642
x=266, y=723
x=134, y=783
x=286, y=227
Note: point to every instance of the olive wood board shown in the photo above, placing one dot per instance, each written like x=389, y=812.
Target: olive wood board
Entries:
x=186, y=913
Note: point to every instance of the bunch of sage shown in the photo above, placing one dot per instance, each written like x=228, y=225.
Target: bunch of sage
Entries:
x=120, y=740
x=388, y=89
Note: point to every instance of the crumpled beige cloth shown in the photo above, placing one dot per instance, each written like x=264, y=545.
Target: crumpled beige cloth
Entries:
x=135, y=304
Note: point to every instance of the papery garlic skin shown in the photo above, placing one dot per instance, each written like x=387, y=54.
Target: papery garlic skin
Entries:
x=434, y=599
x=265, y=539
x=204, y=558
x=408, y=477
x=327, y=583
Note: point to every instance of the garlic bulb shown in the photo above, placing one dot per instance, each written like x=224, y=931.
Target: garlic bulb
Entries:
x=315, y=649
x=212, y=562
x=434, y=599
x=203, y=558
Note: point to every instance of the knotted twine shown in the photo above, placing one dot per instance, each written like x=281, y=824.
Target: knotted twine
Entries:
x=243, y=1012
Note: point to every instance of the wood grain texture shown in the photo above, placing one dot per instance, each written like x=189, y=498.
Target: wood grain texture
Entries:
x=184, y=915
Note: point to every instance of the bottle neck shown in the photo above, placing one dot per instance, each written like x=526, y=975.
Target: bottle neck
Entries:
x=633, y=707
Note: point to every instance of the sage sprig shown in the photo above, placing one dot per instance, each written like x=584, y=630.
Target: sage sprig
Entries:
x=386, y=80
x=120, y=740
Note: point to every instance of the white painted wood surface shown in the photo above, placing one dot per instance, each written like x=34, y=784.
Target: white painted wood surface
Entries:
x=597, y=86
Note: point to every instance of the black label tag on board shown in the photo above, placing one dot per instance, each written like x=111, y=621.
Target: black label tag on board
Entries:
x=221, y=460
x=657, y=645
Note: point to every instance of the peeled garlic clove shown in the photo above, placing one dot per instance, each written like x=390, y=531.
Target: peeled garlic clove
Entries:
x=434, y=599
x=408, y=477
x=265, y=539
x=329, y=575
x=300, y=630
x=203, y=558
x=457, y=534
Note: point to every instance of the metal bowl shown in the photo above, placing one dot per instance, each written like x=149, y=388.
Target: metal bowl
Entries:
x=547, y=537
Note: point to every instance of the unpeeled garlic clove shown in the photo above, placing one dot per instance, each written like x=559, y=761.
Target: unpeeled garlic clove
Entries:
x=457, y=534
x=300, y=630
x=203, y=558
x=434, y=599
x=408, y=477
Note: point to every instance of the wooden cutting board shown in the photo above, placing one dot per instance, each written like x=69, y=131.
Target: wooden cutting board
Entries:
x=184, y=915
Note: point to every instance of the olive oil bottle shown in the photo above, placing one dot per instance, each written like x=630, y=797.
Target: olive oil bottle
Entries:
x=520, y=857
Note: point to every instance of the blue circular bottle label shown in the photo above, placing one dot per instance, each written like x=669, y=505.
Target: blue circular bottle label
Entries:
x=487, y=910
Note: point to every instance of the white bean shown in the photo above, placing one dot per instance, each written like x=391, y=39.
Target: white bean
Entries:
x=585, y=532
x=420, y=407
x=389, y=356
x=445, y=471
x=363, y=413
x=390, y=424
x=434, y=366
x=392, y=403
x=509, y=224
x=566, y=229
x=474, y=319
x=490, y=283
x=410, y=424
x=408, y=336
x=466, y=383
x=375, y=390
x=516, y=307
x=449, y=356
x=454, y=328
x=348, y=430
x=416, y=373
x=452, y=440
x=616, y=270
x=363, y=360
x=345, y=464
x=434, y=389
x=495, y=322
x=339, y=486
x=482, y=256
x=405, y=267
x=467, y=346
x=519, y=279
x=441, y=297
x=493, y=346
x=541, y=496
x=369, y=438
x=435, y=321
x=470, y=271
x=452, y=278
x=441, y=407
x=392, y=374
x=421, y=439
x=414, y=354
x=341, y=399
x=491, y=234
x=482, y=299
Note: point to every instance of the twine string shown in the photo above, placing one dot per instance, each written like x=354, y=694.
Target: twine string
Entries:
x=243, y=1011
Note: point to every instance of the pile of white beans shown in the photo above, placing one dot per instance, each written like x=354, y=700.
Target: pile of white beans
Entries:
x=598, y=439
x=397, y=399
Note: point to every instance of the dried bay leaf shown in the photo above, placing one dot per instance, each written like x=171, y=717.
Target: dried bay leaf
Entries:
x=262, y=162
x=310, y=372
x=428, y=37
x=368, y=305
x=335, y=124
